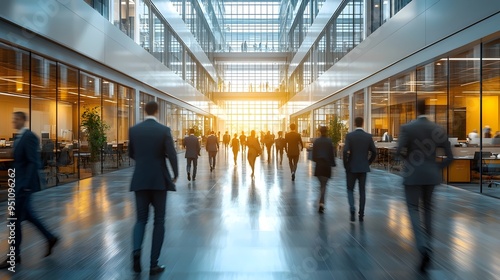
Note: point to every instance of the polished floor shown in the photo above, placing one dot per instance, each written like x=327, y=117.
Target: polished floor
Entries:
x=226, y=225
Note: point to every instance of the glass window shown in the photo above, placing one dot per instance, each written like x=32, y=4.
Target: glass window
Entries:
x=68, y=128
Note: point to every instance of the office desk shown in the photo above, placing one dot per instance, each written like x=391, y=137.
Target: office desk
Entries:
x=461, y=169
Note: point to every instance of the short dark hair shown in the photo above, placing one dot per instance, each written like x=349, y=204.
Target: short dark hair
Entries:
x=323, y=130
x=420, y=107
x=21, y=115
x=191, y=130
x=358, y=121
x=151, y=108
x=293, y=126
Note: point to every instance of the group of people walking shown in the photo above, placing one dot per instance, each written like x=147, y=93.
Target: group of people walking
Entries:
x=151, y=180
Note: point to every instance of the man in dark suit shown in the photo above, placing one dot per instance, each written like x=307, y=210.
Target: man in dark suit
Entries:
x=359, y=152
x=212, y=147
x=193, y=148
x=226, y=139
x=293, y=147
x=27, y=181
x=150, y=143
x=417, y=144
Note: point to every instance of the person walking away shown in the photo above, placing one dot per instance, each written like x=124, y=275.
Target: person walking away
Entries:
x=280, y=146
x=243, y=141
x=150, y=143
x=269, y=140
x=359, y=152
x=226, y=139
x=212, y=147
x=323, y=156
x=193, y=148
x=254, y=150
x=417, y=145
x=293, y=147
x=235, y=145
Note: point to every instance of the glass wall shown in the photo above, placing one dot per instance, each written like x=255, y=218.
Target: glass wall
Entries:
x=67, y=134
x=54, y=96
x=43, y=114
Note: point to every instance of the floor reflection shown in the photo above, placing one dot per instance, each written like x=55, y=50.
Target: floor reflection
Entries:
x=227, y=225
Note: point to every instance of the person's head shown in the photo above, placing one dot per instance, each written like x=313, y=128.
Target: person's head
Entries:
x=252, y=133
x=151, y=108
x=242, y=132
x=421, y=107
x=235, y=135
x=212, y=132
x=323, y=130
x=280, y=133
x=227, y=132
x=191, y=131
x=19, y=119
x=358, y=122
x=293, y=126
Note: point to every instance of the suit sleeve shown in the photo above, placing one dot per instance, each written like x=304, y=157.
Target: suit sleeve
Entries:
x=301, y=144
x=131, y=150
x=171, y=153
x=373, y=151
x=402, y=149
x=345, y=154
x=33, y=159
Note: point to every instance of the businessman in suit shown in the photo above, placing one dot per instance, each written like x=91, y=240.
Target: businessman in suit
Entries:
x=193, y=148
x=359, y=152
x=292, y=148
x=150, y=143
x=27, y=181
x=417, y=145
x=212, y=147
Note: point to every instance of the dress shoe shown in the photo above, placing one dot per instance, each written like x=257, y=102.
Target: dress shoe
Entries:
x=6, y=264
x=211, y=168
x=321, y=208
x=352, y=216
x=361, y=218
x=424, y=263
x=156, y=269
x=194, y=178
x=52, y=242
x=136, y=256
x=293, y=176
x=189, y=177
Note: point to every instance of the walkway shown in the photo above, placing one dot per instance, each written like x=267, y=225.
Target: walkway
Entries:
x=227, y=226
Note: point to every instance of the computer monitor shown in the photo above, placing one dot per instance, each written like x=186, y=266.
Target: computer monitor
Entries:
x=45, y=135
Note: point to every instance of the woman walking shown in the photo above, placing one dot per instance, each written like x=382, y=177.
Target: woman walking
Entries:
x=324, y=158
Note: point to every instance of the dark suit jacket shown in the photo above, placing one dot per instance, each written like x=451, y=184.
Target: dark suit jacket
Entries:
x=293, y=140
x=358, y=146
x=192, y=146
x=323, y=150
x=417, y=144
x=27, y=163
x=212, y=143
x=150, y=143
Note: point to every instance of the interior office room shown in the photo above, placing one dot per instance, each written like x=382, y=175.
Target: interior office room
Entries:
x=256, y=65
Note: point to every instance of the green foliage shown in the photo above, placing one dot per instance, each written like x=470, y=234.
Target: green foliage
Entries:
x=94, y=129
x=336, y=130
x=197, y=129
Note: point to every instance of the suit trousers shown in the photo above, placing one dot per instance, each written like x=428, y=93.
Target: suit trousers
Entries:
x=142, y=201
x=24, y=211
x=293, y=161
x=351, y=181
x=211, y=158
x=421, y=231
x=194, y=161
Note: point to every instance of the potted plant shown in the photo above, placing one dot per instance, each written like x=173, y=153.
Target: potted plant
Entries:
x=94, y=128
x=336, y=131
